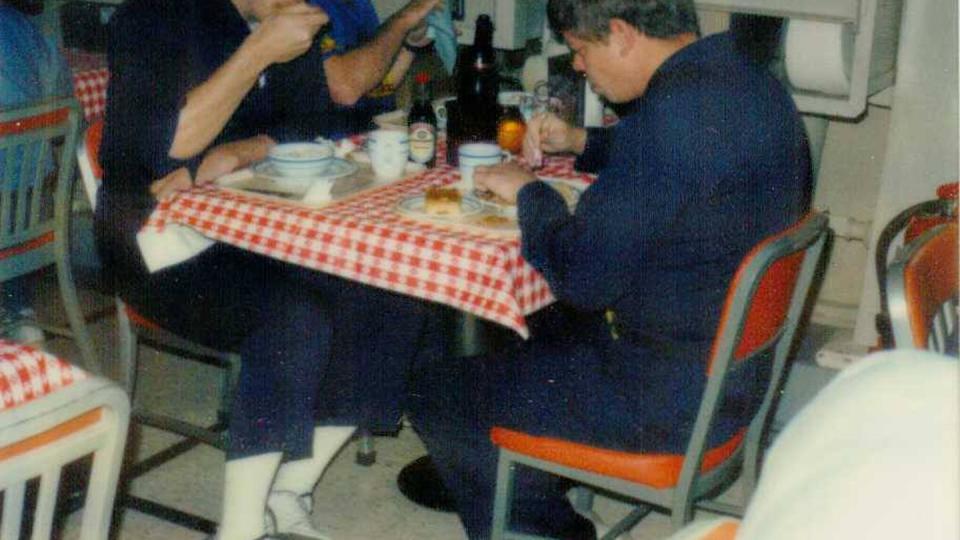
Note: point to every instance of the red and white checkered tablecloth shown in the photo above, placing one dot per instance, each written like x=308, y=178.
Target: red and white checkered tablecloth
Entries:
x=27, y=373
x=90, y=78
x=364, y=239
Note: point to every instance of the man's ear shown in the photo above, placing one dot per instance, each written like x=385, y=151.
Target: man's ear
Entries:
x=623, y=36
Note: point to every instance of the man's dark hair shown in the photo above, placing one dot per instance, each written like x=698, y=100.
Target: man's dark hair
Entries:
x=590, y=19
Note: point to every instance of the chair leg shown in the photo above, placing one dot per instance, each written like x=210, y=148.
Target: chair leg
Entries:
x=126, y=369
x=628, y=522
x=71, y=305
x=104, y=479
x=68, y=288
x=366, y=452
x=12, y=520
x=228, y=388
x=503, y=497
x=583, y=499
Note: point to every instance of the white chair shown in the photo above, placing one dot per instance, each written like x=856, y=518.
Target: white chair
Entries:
x=51, y=414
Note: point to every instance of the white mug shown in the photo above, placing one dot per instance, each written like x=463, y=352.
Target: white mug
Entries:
x=473, y=154
x=389, y=150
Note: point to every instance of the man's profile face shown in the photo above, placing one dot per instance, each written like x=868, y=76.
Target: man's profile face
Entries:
x=598, y=61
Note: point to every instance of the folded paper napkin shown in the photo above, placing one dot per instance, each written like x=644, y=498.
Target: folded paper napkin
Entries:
x=167, y=244
x=440, y=28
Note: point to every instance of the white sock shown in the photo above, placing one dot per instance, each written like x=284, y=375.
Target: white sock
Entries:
x=300, y=476
x=246, y=486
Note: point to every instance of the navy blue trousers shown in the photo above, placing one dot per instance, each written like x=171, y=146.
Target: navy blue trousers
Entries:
x=234, y=300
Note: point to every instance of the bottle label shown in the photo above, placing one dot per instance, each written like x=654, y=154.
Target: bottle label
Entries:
x=423, y=138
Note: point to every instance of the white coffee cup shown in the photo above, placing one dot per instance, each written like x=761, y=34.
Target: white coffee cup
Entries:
x=474, y=154
x=389, y=150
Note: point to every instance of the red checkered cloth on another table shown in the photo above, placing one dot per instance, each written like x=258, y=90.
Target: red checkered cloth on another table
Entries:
x=27, y=374
x=90, y=79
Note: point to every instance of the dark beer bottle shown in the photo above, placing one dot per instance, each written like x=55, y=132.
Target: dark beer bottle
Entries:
x=474, y=117
x=422, y=124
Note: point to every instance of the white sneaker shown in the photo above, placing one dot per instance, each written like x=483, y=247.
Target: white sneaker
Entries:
x=28, y=334
x=288, y=513
x=21, y=327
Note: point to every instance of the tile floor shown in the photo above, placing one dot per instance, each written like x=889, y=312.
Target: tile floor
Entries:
x=352, y=502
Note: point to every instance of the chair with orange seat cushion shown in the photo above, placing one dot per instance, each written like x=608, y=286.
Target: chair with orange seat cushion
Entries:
x=52, y=414
x=764, y=305
x=907, y=225
x=133, y=329
x=36, y=188
x=922, y=284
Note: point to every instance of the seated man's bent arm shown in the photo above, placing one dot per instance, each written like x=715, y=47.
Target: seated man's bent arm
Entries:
x=210, y=105
x=279, y=38
x=356, y=72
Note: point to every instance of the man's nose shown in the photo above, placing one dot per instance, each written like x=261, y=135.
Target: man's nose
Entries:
x=578, y=64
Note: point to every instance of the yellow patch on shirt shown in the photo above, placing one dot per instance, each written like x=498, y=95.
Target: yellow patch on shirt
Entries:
x=327, y=44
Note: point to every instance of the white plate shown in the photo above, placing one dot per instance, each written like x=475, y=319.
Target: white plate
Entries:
x=414, y=206
x=336, y=168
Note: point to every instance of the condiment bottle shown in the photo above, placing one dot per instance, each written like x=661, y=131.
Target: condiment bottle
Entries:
x=422, y=124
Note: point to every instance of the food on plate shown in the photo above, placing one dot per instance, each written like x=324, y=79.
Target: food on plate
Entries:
x=494, y=221
x=569, y=193
x=442, y=201
x=491, y=197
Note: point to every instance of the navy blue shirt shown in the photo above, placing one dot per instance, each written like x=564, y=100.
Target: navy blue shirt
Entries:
x=158, y=50
x=709, y=161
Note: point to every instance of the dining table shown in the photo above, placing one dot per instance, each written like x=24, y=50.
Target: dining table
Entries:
x=90, y=77
x=366, y=237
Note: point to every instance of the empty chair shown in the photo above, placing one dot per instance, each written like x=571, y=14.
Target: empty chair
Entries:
x=908, y=224
x=922, y=291
x=52, y=414
x=36, y=188
x=763, y=308
x=134, y=329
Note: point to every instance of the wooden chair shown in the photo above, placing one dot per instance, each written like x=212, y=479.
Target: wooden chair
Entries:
x=764, y=305
x=35, y=204
x=52, y=414
x=922, y=285
x=134, y=329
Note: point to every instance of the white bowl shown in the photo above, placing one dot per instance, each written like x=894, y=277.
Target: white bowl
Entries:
x=300, y=158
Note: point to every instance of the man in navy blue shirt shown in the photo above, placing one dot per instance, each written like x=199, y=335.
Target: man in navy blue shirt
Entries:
x=708, y=158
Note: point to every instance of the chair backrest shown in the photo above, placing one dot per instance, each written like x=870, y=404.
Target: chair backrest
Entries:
x=763, y=308
x=887, y=248
x=88, y=160
x=922, y=285
x=35, y=142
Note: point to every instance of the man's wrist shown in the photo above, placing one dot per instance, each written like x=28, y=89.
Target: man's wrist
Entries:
x=417, y=48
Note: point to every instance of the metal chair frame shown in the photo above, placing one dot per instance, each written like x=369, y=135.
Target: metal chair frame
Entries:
x=42, y=130
x=887, y=250
x=806, y=239
x=922, y=289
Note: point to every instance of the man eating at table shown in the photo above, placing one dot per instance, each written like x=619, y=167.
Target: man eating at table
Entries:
x=709, y=158
x=200, y=88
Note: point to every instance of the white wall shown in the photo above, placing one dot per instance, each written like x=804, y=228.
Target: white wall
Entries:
x=922, y=148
